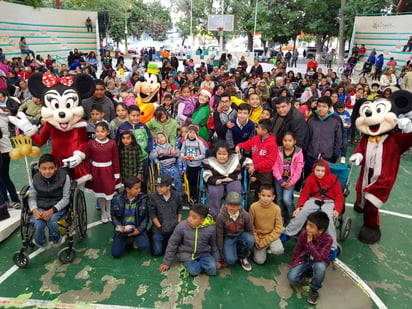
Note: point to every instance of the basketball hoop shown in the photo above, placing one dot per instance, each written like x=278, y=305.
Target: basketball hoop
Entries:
x=220, y=29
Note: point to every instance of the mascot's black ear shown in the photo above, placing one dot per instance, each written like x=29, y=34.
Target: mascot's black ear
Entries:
x=402, y=99
x=85, y=85
x=36, y=86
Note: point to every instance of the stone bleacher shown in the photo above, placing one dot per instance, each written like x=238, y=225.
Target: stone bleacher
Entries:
x=48, y=31
x=387, y=34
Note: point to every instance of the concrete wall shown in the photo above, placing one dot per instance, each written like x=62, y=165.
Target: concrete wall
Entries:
x=47, y=30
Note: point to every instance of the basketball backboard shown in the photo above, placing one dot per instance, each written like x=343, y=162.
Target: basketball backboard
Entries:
x=220, y=22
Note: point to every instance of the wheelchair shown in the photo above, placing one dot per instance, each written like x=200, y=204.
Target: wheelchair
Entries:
x=246, y=194
x=153, y=171
x=73, y=224
x=343, y=223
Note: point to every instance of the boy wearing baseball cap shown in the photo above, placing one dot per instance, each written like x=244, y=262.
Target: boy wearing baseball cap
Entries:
x=234, y=232
x=165, y=211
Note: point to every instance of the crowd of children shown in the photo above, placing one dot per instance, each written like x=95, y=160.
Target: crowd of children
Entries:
x=224, y=123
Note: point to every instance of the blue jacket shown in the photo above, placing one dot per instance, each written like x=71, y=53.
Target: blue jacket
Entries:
x=379, y=61
x=118, y=208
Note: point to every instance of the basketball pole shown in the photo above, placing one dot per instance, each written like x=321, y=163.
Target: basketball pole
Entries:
x=221, y=29
x=254, y=31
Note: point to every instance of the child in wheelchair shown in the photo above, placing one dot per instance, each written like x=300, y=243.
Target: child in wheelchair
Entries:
x=49, y=196
x=322, y=191
x=222, y=174
x=162, y=154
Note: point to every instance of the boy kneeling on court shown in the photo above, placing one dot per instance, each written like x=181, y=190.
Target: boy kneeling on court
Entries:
x=49, y=196
x=130, y=217
x=195, y=240
x=234, y=232
x=310, y=257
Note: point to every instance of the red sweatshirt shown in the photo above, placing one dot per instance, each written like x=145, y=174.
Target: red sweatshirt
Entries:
x=264, y=152
x=329, y=182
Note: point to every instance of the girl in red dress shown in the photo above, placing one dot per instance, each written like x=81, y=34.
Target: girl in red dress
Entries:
x=102, y=162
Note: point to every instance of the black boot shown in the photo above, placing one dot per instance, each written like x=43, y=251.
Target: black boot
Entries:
x=369, y=235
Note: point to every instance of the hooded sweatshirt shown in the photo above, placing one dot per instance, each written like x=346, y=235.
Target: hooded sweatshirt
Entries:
x=325, y=136
x=192, y=242
x=329, y=184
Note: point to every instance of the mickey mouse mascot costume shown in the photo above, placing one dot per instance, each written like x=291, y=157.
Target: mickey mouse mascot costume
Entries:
x=379, y=153
x=62, y=115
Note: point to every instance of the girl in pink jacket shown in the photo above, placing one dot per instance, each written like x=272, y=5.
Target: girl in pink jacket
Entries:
x=287, y=171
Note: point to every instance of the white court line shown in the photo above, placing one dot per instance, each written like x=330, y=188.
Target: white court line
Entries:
x=14, y=268
x=388, y=212
x=360, y=283
x=342, y=266
x=7, y=302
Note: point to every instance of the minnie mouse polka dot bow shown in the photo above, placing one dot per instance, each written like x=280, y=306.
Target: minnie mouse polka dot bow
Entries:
x=49, y=80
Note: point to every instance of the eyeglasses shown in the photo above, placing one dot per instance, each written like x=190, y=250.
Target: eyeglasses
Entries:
x=224, y=101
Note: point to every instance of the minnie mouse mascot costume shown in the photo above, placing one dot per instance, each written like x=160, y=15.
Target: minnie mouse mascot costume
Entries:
x=379, y=153
x=62, y=117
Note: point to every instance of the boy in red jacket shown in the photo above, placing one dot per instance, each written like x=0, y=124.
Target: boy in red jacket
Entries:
x=322, y=191
x=264, y=153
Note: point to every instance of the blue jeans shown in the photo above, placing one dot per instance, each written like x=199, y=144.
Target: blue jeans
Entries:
x=205, y=263
x=28, y=52
x=40, y=225
x=120, y=240
x=235, y=248
x=284, y=198
x=159, y=243
x=296, y=273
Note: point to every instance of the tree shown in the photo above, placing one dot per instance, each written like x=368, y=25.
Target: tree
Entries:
x=200, y=12
x=321, y=20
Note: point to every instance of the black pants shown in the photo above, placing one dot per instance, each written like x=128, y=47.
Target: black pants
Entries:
x=192, y=174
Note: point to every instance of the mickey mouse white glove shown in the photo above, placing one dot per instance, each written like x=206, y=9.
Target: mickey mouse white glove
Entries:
x=72, y=161
x=356, y=158
x=23, y=124
x=404, y=124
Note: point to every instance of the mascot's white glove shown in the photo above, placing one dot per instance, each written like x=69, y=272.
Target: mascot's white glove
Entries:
x=356, y=158
x=404, y=124
x=72, y=161
x=23, y=124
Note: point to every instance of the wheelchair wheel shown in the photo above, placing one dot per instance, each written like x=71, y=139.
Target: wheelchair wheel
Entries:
x=345, y=228
x=150, y=180
x=26, y=228
x=80, y=213
x=186, y=190
x=21, y=259
x=66, y=255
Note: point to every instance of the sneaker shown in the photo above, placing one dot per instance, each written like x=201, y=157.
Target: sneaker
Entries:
x=15, y=205
x=45, y=246
x=343, y=160
x=58, y=243
x=245, y=264
x=313, y=297
x=333, y=254
x=284, y=238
